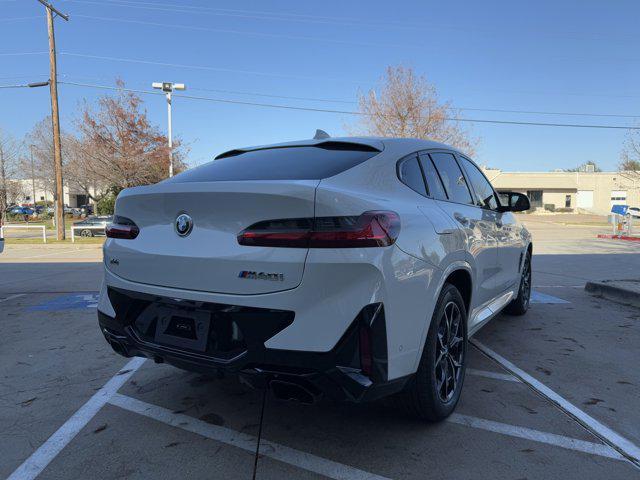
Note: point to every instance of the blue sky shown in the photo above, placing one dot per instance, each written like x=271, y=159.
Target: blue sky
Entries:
x=558, y=56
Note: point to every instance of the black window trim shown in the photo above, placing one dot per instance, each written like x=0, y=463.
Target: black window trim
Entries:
x=456, y=155
x=462, y=170
x=495, y=195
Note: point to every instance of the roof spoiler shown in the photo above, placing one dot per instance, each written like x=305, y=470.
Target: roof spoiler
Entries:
x=328, y=144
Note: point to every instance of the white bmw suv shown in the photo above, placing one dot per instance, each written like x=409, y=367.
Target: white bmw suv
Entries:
x=351, y=267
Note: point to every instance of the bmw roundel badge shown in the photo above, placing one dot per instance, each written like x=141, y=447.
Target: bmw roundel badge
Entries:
x=184, y=224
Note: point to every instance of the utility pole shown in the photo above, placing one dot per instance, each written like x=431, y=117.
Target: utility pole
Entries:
x=168, y=88
x=169, y=135
x=33, y=178
x=55, y=119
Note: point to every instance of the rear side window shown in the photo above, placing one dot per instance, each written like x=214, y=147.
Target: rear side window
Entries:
x=452, y=178
x=433, y=179
x=287, y=163
x=411, y=175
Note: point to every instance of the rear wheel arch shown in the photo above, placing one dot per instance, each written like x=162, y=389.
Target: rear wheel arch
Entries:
x=461, y=279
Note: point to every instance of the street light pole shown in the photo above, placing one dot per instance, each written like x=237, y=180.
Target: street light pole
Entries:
x=168, y=88
x=169, y=134
x=33, y=177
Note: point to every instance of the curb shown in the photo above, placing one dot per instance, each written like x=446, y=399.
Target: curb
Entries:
x=620, y=237
x=613, y=293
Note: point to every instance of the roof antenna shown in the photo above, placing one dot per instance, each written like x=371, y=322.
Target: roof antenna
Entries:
x=321, y=135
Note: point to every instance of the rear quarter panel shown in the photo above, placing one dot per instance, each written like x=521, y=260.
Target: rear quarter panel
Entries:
x=409, y=279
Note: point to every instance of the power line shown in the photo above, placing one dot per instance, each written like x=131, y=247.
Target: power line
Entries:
x=303, y=77
x=16, y=19
x=17, y=54
x=351, y=102
x=538, y=112
x=203, y=67
x=249, y=33
x=387, y=23
x=347, y=112
x=234, y=14
x=346, y=102
x=254, y=14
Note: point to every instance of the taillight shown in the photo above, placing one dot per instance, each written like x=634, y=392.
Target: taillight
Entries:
x=371, y=229
x=123, y=228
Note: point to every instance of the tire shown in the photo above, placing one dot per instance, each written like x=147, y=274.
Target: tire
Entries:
x=520, y=304
x=427, y=397
x=86, y=233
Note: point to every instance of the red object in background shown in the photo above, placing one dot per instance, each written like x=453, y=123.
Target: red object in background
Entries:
x=620, y=237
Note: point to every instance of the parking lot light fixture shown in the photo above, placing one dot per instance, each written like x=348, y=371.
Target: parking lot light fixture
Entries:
x=38, y=84
x=168, y=88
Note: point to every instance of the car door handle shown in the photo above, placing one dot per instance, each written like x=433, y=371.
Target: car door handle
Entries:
x=461, y=219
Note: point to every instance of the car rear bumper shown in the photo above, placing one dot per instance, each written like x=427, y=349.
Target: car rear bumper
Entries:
x=336, y=373
x=337, y=285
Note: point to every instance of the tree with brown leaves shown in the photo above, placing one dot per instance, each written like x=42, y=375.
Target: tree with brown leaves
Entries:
x=10, y=188
x=118, y=148
x=407, y=105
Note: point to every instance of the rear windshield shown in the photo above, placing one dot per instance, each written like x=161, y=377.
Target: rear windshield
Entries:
x=287, y=163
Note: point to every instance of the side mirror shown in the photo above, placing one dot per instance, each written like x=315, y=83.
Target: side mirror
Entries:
x=513, y=202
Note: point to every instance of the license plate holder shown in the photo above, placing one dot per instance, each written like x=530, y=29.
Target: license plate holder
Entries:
x=183, y=328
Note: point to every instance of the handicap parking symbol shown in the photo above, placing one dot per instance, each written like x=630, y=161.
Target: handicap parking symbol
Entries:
x=77, y=301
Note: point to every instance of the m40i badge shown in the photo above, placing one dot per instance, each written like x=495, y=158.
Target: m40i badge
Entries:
x=274, y=277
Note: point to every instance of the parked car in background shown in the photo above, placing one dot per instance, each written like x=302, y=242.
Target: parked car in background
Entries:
x=1, y=244
x=86, y=209
x=634, y=212
x=72, y=211
x=21, y=211
x=93, y=226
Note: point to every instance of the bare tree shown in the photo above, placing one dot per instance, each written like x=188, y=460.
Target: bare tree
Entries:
x=40, y=141
x=584, y=166
x=118, y=147
x=407, y=105
x=630, y=156
x=10, y=188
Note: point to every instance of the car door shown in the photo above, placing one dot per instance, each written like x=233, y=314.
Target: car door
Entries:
x=506, y=227
x=511, y=248
x=476, y=225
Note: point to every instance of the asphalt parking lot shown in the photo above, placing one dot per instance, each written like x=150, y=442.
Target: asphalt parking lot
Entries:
x=552, y=394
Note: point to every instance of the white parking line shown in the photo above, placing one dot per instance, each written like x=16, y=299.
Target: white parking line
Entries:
x=333, y=469
x=39, y=459
x=11, y=297
x=298, y=458
x=495, y=375
x=624, y=446
x=536, y=435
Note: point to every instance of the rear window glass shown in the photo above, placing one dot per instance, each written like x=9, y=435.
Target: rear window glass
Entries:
x=289, y=163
